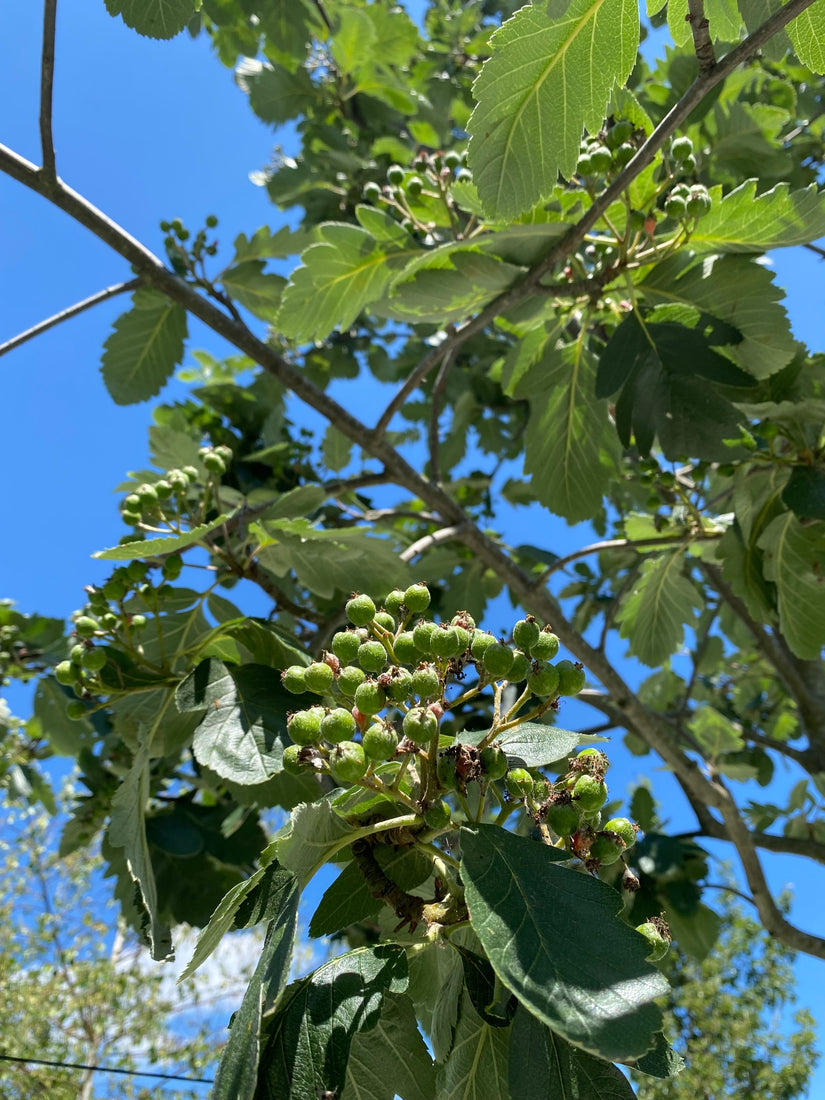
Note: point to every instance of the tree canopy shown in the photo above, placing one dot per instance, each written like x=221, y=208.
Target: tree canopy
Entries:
x=549, y=250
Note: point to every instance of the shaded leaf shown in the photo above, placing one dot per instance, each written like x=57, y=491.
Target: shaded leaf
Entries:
x=439, y=967
x=714, y=732
x=476, y=1067
x=795, y=562
x=575, y=963
x=144, y=348
x=654, y=613
x=480, y=983
x=531, y=745
x=313, y=835
x=661, y=1061
x=804, y=493
x=336, y=449
x=391, y=1059
x=275, y=94
x=257, y=290
x=546, y=81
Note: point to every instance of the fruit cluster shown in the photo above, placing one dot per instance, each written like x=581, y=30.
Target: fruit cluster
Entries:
x=609, y=152
x=163, y=499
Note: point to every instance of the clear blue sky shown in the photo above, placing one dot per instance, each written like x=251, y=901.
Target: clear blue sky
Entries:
x=152, y=131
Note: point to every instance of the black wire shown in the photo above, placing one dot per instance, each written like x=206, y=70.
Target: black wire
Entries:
x=108, y=1069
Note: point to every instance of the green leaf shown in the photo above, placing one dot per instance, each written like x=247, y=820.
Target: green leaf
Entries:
x=795, y=562
x=570, y=447
x=695, y=932
x=145, y=347
x=313, y=835
x=437, y=967
x=307, y=1041
x=266, y=245
x=336, y=449
x=449, y=287
x=127, y=830
x=542, y=1064
x=352, y=40
x=265, y=643
x=745, y=222
x=276, y=95
x=662, y=1061
x=494, y=1008
x=154, y=18
x=391, y=1059
x=804, y=493
x=349, y=898
x=476, y=1067
x=807, y=35
x=714, y=732
x=575, y=964
x=243, y=733
x=737, y=290
x=237, y=1076
x=149, y=548
x=253, y=288
x=655, y=611
x=66, y=736
x=530, y=745
x=338, y=277
x=548, y=79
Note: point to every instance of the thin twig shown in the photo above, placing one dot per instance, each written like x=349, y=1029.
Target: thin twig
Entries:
x=816, y=248
x=66, y=314
x=702, y=45
x=433, y=437
x=422, y=544
x=663, y=542
x=46, y=88
x=428, y=363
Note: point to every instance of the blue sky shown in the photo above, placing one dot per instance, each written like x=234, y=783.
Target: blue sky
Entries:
x=152, y=131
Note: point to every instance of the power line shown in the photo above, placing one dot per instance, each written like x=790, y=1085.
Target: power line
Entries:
x=108, y=1069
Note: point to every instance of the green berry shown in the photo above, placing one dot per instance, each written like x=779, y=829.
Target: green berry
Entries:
x=681, y=148
x=415, y=185
x=521, y=668
x=494, y=762
x=405, y=649
x=114, y=589
x=179, y=480
x=172, y=567
x=360, y=610
x=688, y=165
x=584, y=166
x=137, y=571
x=347, y=762
x=595, y=760
x=675, y=206
x=439, y=815
x=131, y=519
x=94, y=660
x=519, y=783
x=417, y=598
x=447, y=771
x=304, y=727
x=498, y=660
x=623, y=155
x=698, y=204
x=394, y=601
x=76, y=654
x=395, y=175
x=445, y=642
x=349, y=679
x=293, y=679
x=86, y=626
x=480, y=643
x=420, y=724
x=338, y=725
x=131, y=503
x=398, y=683
x=137, y=622
x=190, y=473
x=600, y=158
x=425, y=682
x=318, y=677
x=563, y=818
x=383, y=618
x=543, y=681
x=109, y=621
x=292, y=760
x=464, y=620
x=571, y=678
x=214, y=463
x=606, y=850
x=380, y=742
x=75, y=710
x=371, y=192
x=619, y=133
x=452, y=159
x=370, y=697
x=526, y=633
x=545, y=647
x=590, y=793
x=147, y=495
x=422, y=635
x=372, y=656
x=659, y=943
x=624, y=828
x=66, y=672
x=345, y=646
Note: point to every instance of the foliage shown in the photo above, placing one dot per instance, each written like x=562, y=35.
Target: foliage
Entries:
x=745, y=987
x=580, y=324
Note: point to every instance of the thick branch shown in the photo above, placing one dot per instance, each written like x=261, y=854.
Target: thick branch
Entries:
x=46, y=87
x=66, y=314
x=702, y=45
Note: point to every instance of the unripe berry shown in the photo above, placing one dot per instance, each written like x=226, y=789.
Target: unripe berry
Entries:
x=345, y=646
x=439, y=815
x=619, y=133
x=114, y=589
x=526, y=633
x=606, y=850
x=76, y=654
x=584, y=166
x=372, y=191
x=347, y=762
x=137, y=622
x=675, y=206
x=75, y=710
x=698, y=204
x=318, y=677
x=445, y=642
x=304, y=727
x=659, y=943
x=291, y=760
x=214, y=463
x=425, y=682
x=494, y=762
x=452, y=159
x=147, y=495
x=360, y=610
x=480, y=643
x=545, y=647
x=131, y=503
x=137, y=570
x=422, y=635
x=600, y=158
x=293, y=679
x=394, y=601
x=383, y=618
x=372, y=656
x=623, y=155
x=623, y=828
x=338, y=725
x=349, y=679
x=172, y=567
x=109, y=621
x=380, y=742
x=131, y=519
x=66, y=672
x=163, y=489
x=681, y=148
x=563, y=818
x=519, y=783
x=94, y=660
x=590, y=793
x=85, y=626
x=420, y=724
x=415, y=185
x=571, y=678
x=395, y=175
x=405, y=649
x=190, y=473
x=521, y=668
x=543, y=680
x=447, y=771
x=498, y=660
x=179, y=480
x=417, y=598
x=370, y=697
x=398, y=683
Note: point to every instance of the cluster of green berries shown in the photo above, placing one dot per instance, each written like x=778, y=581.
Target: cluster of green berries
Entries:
x=609, y=152
x=150, y=502
x=431, y=174
x=183, y=255
x=685, y=203
x=681, y=155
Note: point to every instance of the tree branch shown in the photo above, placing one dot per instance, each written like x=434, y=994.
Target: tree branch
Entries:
x=46, y=87
x=702, y=45
x=662, y=543
x=427, y=541
x=430, y=361
x=66, y=314
x=435, y=413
